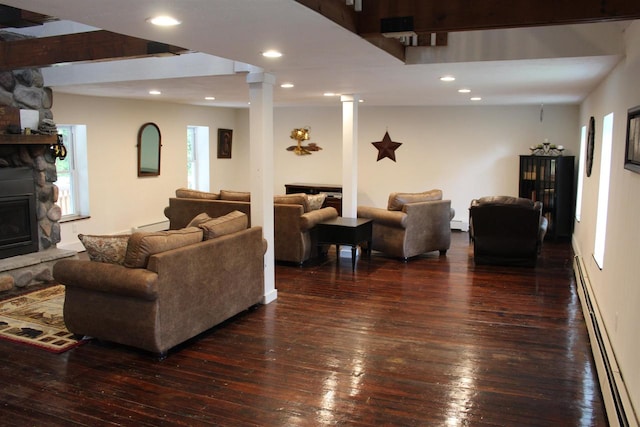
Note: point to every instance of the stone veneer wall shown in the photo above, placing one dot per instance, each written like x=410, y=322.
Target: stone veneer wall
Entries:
x=25, y=89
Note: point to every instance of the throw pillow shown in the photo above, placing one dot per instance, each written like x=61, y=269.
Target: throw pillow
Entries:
x=398, y=200
x=142, y=244
x=293, y=199
x=236, y=196
x=109, y=249
x=195, y=194
x=198, y=219
x=316, y=200
x=226, y=224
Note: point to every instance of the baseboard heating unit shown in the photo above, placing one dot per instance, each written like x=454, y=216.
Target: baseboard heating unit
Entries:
x=156, y=226
x=616, y=398
x=459, y=225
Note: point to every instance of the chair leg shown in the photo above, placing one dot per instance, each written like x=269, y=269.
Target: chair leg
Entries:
x=443, y=252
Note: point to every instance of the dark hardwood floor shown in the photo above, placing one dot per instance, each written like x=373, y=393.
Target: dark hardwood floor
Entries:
x=435, y=341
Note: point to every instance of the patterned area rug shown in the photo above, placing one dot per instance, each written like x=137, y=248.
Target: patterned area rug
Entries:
x=36, y=319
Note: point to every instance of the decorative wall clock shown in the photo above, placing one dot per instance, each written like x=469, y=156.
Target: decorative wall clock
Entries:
x=590, y=142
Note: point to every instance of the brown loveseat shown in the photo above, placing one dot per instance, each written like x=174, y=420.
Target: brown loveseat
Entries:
x=294, y=218
x=506, y=230
x=171, y=287
x=412, y=224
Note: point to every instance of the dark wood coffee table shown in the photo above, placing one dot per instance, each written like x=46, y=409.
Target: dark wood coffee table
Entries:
x=345, y=231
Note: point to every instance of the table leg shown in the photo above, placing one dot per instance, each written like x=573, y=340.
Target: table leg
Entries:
x=354, y=248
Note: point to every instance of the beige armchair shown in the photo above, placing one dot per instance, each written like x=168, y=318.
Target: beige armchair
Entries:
x=412, y=224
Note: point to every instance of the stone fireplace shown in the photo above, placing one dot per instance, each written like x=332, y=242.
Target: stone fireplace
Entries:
x=35, y=162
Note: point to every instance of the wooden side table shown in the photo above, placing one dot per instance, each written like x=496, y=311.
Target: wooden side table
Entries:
x=345, y=231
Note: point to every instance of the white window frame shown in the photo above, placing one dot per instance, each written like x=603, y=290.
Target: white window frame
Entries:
x=199, y=159
x=76, y=146
x=603, y=190
x=192, y=155
x=581, y=163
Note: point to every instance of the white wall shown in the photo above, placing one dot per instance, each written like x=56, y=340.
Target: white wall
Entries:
x=468, y=152
x=119, y=200
x=617, y=286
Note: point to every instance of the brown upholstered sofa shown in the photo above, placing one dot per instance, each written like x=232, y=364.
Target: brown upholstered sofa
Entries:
x=294, y=217
x=412, y=224
x=506, y=230
x=170, y=287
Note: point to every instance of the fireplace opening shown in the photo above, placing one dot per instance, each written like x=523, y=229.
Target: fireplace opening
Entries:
x=18, y=223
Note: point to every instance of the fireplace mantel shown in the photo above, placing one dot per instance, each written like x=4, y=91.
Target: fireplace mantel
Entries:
x=18, y=139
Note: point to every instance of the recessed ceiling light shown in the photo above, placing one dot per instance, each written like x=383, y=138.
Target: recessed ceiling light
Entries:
x=286, y=85
x=209, y=98
x=331, y=94
x=447, y=78
x=155, y=92
x=360, y=100
x=271, y=54
x=164, y=21
x=464, y=90
x=476, y=98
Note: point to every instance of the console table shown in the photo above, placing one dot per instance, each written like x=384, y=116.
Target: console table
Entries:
x=333, y=192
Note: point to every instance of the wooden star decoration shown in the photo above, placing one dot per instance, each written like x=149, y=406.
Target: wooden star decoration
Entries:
x=386, y=147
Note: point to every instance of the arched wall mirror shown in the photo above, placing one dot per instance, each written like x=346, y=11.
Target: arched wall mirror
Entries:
x=149, y=150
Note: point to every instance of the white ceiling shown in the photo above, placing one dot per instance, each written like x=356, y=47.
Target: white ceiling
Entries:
x=543, y=65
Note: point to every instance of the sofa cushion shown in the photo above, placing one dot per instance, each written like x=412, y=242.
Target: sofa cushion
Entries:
x=293, y=199
x=236, y=196
x=398, y=200
x=199, y=219
x=144, y=244
x=230, y=223
x=187, y=193
x=108, y=249
x=316, y=200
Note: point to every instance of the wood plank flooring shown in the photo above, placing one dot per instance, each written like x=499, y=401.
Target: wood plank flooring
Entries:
x=435, y=341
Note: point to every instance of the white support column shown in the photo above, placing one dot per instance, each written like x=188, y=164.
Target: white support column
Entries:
x=349, y=155
x=261, y=172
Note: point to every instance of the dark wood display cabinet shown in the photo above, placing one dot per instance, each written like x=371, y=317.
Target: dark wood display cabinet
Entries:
x=334, y=193
x=550, y=180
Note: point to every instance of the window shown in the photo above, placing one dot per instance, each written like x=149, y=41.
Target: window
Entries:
x=72, y=171
x=583, y=142
x=191, y=158
x=603, y=190
x=198, y=158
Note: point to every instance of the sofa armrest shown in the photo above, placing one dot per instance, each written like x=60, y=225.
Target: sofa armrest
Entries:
x=109, y=278
x=311, y=219
x=396, y=219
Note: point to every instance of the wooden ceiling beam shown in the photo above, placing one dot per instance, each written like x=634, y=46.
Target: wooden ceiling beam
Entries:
x=335, y=10
x=11, y=17
x=90, y=46
x=339, y=12
x=463, y=15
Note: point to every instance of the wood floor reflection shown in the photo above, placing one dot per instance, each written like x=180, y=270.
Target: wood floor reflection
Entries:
x=435, y=341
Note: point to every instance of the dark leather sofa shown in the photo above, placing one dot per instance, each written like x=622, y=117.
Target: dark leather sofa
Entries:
x=506, y=230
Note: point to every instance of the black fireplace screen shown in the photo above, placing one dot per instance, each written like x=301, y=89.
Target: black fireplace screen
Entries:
x=18, y=227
